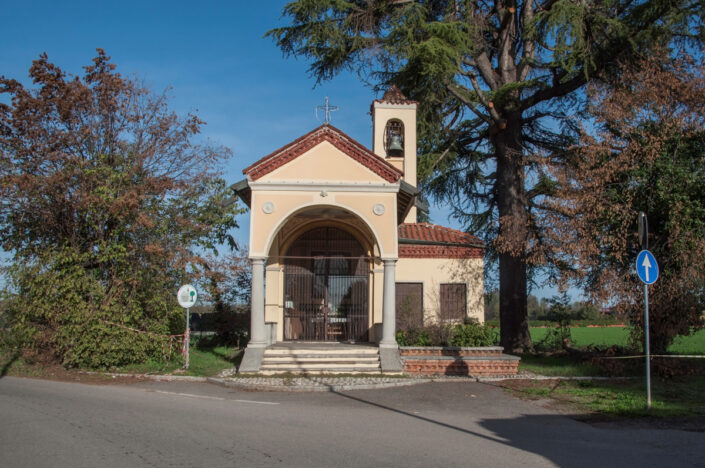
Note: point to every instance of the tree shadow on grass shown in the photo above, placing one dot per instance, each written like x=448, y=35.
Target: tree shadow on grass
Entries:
x=8, y=363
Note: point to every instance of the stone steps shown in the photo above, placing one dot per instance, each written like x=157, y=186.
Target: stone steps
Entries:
x=321, y=360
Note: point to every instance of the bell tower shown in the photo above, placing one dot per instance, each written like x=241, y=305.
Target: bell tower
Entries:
x=394, y=135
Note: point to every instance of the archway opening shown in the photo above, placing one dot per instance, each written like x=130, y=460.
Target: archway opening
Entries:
x=326, y=287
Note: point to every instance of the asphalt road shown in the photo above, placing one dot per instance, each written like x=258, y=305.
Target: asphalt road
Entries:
x=57, y=424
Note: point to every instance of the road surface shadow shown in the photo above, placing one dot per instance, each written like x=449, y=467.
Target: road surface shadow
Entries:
x=567, y=442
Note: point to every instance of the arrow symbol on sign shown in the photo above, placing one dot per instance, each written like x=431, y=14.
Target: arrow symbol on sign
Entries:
x=647, y=265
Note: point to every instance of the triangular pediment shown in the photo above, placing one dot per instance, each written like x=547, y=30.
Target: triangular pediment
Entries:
x=326, y=153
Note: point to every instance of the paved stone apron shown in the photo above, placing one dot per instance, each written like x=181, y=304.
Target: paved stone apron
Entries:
x=323, y=383
x=316, y=383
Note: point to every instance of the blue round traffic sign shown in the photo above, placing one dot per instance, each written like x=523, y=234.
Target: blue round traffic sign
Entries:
x=646, y=267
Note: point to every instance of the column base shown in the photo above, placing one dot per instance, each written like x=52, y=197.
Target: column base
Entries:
x=389, y=358
x=252, y=359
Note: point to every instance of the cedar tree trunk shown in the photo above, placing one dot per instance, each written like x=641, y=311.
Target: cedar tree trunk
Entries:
x=512, y=202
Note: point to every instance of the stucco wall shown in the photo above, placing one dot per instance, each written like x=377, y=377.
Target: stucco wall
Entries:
x=285, y=204
x=324, y=162
x=432, y=272
x=319, y=177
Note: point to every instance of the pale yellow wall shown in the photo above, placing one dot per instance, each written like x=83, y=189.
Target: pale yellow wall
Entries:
x=406, y=113
x=264, y=226
x=434, y=271
x=324, y=162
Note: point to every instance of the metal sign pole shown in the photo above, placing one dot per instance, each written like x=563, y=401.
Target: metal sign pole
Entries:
x=647, y=265
x=648, y=353
x=187, y=338
x=186, y=297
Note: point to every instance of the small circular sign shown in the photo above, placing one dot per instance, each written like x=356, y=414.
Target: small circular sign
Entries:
x=378, y=209
x=187, y=296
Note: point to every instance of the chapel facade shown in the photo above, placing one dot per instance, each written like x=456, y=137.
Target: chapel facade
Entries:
x=336, y=250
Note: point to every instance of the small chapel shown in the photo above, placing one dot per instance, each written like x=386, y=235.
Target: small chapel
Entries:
x=337, y=253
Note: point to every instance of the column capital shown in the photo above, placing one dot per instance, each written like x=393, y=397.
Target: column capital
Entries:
x=389, y=261
x=258, y=260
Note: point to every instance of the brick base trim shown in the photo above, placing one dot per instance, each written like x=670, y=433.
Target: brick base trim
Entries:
x=458, y=361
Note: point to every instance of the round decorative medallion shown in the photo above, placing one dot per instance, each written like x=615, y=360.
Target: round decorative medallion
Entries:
x=268, y=207
x=378, y=209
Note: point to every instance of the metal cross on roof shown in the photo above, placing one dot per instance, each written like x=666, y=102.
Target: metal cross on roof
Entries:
x=327, y=108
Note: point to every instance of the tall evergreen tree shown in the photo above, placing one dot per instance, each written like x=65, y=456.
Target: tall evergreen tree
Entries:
x=495, y=81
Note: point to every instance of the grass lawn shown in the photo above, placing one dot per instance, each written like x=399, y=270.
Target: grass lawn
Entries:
x=608, y=336
x=597, y=336
x=672, y=398
x=693, y=344
x=584, y=336
x=204, y=361
x=679, y=398
x=557, y=366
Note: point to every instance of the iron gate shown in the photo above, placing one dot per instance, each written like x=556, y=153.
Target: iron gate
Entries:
x=326, y=287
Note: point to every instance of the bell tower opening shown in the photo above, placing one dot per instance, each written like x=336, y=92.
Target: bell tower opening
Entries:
x=394, y=138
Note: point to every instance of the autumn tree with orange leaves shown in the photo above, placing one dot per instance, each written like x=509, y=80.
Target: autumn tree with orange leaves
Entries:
x=646, y=153
x=107, y=203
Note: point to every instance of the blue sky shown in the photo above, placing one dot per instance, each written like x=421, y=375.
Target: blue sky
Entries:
x=213, y=57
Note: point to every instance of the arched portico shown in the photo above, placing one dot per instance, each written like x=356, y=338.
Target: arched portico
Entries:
x=324, y=281
x=321, y=276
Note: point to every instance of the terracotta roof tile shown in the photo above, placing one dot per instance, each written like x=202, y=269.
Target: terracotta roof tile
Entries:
x=337, y=138
x=433, y=233
x=394, y=96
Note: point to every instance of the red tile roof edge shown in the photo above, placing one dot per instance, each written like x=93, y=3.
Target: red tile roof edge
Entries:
x=337, y=138
x=435, y=234
x=439, y=251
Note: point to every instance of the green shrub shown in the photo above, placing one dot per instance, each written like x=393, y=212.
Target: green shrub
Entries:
x=473, y=333
x=414, y=337
x=66, y=312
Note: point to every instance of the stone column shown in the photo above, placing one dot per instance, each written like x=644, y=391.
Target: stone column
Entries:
x=252, y=360
x=257, y=333
x=388, y=348
x=389, y=304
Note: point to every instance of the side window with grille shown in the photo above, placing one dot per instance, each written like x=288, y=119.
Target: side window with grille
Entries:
x=409, y=305
x=453, y=301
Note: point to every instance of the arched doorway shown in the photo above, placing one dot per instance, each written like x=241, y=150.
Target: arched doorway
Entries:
x=326, y=287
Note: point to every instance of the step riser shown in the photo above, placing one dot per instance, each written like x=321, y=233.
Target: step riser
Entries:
x=327, y=370
x=321, y=366
x=321, y=361
x=320, y=372
x=286, y=352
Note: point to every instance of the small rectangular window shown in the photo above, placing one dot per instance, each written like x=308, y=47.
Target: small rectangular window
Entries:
x=409, y=305
x=453, y=301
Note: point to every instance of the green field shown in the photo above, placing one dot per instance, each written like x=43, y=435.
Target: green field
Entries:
x=608, y=336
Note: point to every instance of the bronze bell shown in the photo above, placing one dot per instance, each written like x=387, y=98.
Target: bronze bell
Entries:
x=395, y=146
